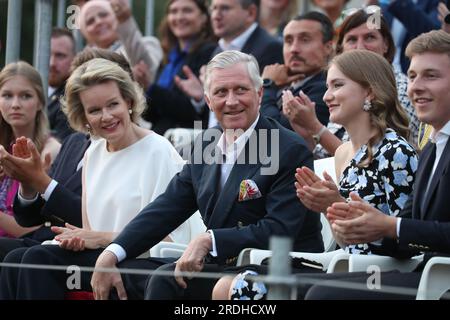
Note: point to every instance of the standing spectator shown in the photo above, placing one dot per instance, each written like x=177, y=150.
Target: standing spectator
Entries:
x=275, y=14
x=22, y=114
x=235, y=23
x=62, y=52
x=187, y=41
x=408, y=19
x=110, y=25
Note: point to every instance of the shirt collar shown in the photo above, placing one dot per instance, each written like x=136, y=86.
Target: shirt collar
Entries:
x=238, y=42
x=231, y=151
x=441, y=134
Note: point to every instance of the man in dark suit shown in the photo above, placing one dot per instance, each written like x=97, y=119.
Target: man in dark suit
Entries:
x=62, y=52
x=234, y=22
x=243, y=198
x=424, y=223
x=46, y=200
x=307, y=46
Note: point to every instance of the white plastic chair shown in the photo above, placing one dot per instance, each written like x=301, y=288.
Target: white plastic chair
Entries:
x=361, y=263
x=166, y=249
x=435, y=280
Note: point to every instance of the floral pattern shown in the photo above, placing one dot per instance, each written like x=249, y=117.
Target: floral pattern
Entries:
x=245, y=289
x=385, y=182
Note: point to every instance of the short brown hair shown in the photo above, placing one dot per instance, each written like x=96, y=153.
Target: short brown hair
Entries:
x=358, y=18
x=437, y=41
x=93, y=72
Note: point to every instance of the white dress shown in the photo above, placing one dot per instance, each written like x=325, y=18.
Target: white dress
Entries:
x=120, y=184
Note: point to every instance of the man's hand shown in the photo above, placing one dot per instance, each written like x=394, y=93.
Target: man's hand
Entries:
x=369, y=225
x=191, y=86
x=141, y=73
x=29, y=171
x=300, y=110
x=103, y=282
x=279, y=74
x=121, y=9
x=193, y=257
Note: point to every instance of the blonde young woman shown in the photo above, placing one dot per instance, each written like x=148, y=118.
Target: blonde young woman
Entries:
x=22, y=116
x=377, y=163
x=125, y=168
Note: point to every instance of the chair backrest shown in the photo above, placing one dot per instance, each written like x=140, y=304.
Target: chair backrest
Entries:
x=325, y=164
x=321, y=165
x=329, y=244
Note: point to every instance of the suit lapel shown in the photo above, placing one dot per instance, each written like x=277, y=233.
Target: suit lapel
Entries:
x=75, y=179
x=440, y=170
x=425, y=165
x=243, y=169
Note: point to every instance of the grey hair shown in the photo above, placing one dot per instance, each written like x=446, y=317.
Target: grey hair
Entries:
x=230, y=58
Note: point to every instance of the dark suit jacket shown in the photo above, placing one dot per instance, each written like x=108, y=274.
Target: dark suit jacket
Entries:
x=265, y=48
x=416, y=18
x=236, y=224
x=425, y=230
x=171, y=108
x=314, y=88
x=59, y=126
x=64, y=204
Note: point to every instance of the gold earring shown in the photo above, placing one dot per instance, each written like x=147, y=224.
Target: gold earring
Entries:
x=88, y=128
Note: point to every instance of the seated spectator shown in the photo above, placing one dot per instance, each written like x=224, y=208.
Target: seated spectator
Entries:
x=307, y=48
x=187, y=41
x=60, y=188
x=62, y=52
x=408, y=19
x=22, y=103
x=377, y=163
x=422, y=226
x=221, y=191
x=275, y=14
x=101, y=98
x=110, y=25
x=355, y=34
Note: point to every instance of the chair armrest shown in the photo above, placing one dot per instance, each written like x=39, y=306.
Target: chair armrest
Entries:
x=155, y=251
x=435, y=280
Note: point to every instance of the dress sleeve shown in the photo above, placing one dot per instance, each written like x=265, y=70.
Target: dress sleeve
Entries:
x=399, y=163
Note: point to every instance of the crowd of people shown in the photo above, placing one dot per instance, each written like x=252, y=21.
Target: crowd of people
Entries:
x=87, y=178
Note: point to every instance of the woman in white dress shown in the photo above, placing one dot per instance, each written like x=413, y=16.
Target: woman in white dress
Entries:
x=125, y=168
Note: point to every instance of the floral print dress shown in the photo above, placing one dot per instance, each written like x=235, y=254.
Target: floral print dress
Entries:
x=385, y=182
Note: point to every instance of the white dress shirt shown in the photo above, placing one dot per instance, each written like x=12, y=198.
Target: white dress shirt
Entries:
x=230, y=151
x=440, y=138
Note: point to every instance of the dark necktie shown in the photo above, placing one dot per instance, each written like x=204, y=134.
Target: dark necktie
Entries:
x=427, y=172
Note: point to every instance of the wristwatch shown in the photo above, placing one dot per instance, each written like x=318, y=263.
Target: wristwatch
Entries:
x=267, y=83
x=316, y=137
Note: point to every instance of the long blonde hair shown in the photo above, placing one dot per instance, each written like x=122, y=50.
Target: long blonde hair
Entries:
x=372, y=71
x=41, y=129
